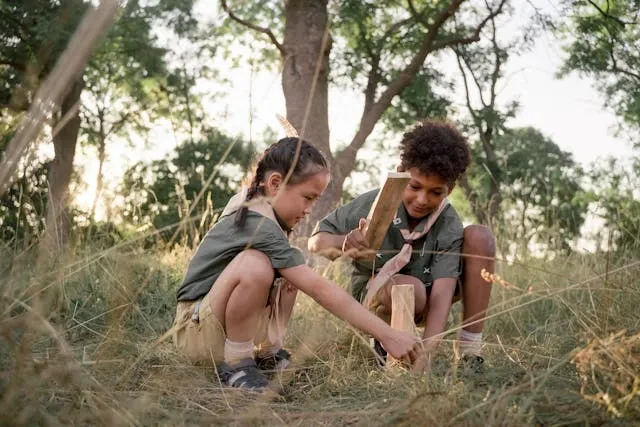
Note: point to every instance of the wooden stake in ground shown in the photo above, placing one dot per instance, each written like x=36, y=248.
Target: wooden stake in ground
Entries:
x=384, y=208
x=402, y=311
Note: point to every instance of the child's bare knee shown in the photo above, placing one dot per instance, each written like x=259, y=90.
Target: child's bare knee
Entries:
x=479, y=239
x=255, y=267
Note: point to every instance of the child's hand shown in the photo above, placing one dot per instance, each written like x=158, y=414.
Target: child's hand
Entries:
x=354, y=243
x=402, y=346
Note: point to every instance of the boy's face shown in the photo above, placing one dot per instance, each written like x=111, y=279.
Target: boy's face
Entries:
x=424, y=193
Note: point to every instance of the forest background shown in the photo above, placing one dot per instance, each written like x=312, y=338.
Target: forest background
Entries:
x=99, y=215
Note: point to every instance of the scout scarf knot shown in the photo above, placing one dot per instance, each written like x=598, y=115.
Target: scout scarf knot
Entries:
x=395, y=264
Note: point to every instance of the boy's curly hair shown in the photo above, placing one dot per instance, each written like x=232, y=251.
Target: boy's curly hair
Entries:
x=435, y=147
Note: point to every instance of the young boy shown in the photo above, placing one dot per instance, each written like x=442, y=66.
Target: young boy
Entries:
x=435, y=253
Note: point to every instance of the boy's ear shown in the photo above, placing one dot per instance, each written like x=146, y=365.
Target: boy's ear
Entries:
x=451, y=187
x=273, y=182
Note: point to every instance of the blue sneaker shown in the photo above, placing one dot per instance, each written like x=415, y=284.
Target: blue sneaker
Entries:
x=245, y=374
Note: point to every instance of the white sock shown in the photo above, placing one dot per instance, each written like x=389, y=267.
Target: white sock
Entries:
x=236, y=351
x=470, y=343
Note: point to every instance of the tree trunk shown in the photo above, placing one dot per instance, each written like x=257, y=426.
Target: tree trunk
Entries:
x=64, y=143
x=304, y=45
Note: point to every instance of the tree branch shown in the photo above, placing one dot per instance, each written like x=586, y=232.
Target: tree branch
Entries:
x=372, y=83
x=414, y=12
x=473, y=37
x=616, y=69
x=346, y=158
x=495, y=75
x=374, y=74
x=253, y=27
x=390, y=31
x=473, y=75
x=606, y=14
x=472, y=111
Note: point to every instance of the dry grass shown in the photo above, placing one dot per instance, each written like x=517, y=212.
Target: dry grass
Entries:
x=81, y=343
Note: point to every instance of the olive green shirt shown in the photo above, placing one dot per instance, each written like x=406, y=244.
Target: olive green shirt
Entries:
x=226, y=240
x=436, y=255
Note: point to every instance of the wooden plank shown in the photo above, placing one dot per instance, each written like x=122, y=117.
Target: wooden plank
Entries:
x=402, y=311
x=384, y=208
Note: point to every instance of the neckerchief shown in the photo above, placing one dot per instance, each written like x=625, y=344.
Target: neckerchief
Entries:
x=258, y=205
x=402, y=258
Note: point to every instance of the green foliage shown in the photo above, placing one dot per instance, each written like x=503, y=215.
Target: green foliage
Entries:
x=615, y=191
x=33, y=33
x=160, y=193
x=131, y=81
x=126, y=82
x=375, y=42
x=602, y=42
x=23, y=207
x=418, y=101
x=119, y=76
x=462, y=206
x=543, y=200
x=372, y=42
x=231, y=36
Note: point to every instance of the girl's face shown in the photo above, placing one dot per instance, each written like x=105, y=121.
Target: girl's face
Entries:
x=424, y=193
x=294, y=201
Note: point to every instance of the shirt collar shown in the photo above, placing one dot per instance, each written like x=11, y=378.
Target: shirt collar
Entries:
x=401, y=219
x=281, y=222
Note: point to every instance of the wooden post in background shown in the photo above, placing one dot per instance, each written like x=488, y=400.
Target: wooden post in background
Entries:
x=402, y=311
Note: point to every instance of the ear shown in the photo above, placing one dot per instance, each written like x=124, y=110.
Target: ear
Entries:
x=399, y=168
x=273, y=182
x=451, y=187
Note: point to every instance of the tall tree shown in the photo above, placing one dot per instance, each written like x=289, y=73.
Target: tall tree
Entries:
x=480, y=80
x=520, y=182
x=118, y=93
x=602, y=43
x=543, y=201
x=382, y=46
x=32, y=35
x=617, y=198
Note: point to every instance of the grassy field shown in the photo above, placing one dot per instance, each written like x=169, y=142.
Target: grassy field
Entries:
x=83, y=342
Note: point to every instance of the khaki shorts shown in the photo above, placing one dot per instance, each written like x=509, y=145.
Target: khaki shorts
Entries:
x=202, y=340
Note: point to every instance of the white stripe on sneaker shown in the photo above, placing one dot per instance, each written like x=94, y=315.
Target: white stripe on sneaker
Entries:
x=235, y=377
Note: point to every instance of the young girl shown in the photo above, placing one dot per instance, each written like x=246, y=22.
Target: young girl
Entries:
x=423, y=245
x=230, y=280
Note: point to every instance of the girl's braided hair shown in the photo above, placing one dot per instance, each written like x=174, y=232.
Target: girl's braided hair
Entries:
x=280, y=157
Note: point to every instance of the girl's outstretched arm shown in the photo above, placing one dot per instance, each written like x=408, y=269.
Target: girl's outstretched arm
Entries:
x=336, y=300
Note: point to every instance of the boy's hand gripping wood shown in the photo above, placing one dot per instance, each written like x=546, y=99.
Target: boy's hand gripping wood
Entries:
x=384, y=209
x=402, y=312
